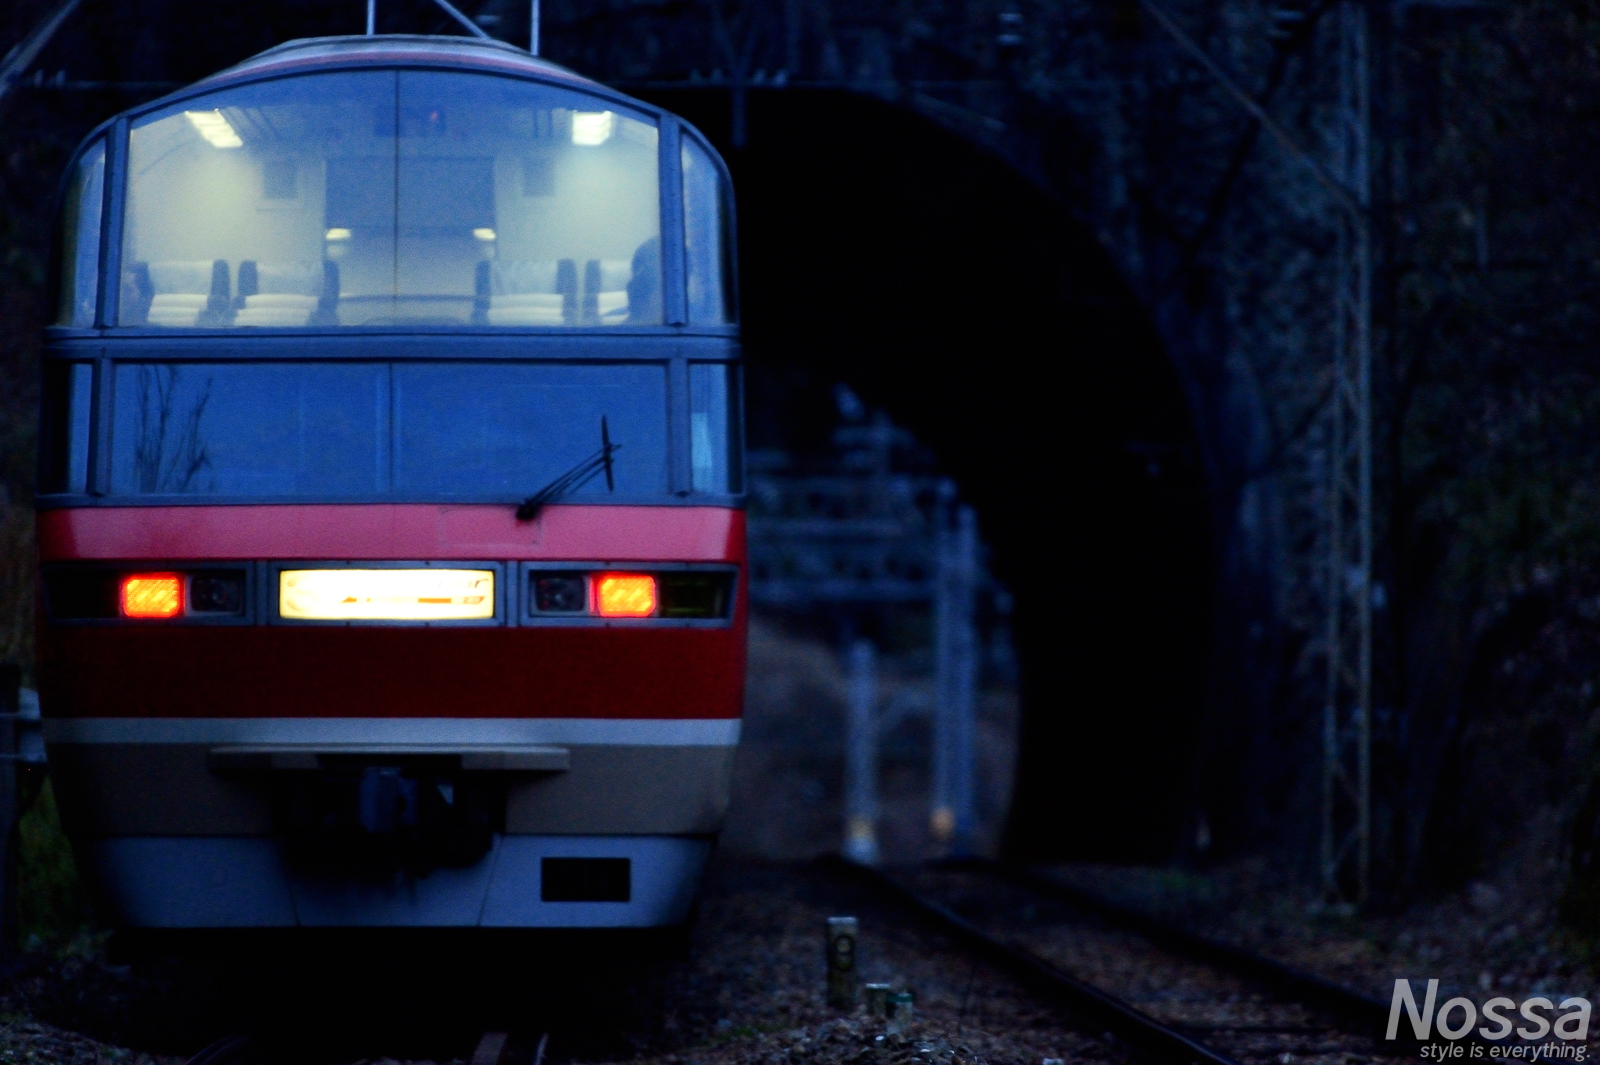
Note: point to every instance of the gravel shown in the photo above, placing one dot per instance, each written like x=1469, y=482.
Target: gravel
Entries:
x=753, y=991
x=1501, y=937
x=1231, y=1014
x=749, y=990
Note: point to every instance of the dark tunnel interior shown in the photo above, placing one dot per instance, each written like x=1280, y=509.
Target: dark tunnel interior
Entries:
x=881, y=251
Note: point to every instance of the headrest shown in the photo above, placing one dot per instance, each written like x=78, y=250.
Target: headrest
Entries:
x=193, y=276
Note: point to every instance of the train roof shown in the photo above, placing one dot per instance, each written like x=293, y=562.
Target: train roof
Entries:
x=314, y=54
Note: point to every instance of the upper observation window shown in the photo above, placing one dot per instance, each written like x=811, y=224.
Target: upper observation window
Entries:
x=80, y=239
x=392, y=198
x=705, y=237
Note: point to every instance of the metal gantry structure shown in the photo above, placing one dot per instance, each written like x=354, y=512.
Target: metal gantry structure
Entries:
x=1346, y=534
x=865, y=536
x=1346, y=856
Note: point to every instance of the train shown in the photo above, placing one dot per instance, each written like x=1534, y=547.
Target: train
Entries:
x=390, y=513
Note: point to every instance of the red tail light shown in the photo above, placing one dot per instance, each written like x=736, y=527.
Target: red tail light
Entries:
x=152, y=595
x=625, y=595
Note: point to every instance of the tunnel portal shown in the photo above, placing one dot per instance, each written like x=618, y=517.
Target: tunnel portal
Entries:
x=884, y=252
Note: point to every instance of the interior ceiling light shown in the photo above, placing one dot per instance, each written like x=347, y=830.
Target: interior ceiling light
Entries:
x=483, y=234
x=337, y=234
x=386, y=594
x=215, y=129
x=590, y=128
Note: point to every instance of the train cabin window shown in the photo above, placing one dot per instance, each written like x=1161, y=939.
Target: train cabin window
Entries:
x=498, y=431
x=80, y=239
x=479, y=432
x=392, y=198
x=64, y=451
x=714, y=461
x=705, y=219
x=264, y=430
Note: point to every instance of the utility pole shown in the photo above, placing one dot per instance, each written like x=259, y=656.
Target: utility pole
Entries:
x=956, y=675
x=1347, y=707
x=861, y=756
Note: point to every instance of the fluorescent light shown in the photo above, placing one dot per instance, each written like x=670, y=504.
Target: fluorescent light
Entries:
x=483, y=234
x=214, y=128
x=386, y=594
x=590, y=128
x=337, y=234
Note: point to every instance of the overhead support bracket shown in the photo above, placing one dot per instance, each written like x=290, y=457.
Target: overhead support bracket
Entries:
x=1337, y=189
x=472, y=27
x=448, y=8
x=20, y=58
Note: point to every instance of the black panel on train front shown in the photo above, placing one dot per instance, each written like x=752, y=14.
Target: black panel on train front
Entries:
x=695, y=594
x=585, y=880
x=81, y=594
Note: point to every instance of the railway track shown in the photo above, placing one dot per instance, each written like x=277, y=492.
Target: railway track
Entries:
x=1077, y=967
x=492, y=1048
x=1164, y=991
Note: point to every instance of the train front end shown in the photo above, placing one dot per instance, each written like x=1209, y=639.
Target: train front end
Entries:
x=390, y=525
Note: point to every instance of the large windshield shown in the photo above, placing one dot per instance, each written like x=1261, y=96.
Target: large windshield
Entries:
x=468, y=431
x=392, y=198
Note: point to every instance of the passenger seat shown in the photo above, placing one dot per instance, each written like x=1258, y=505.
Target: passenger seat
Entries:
x=605, y=291
x=278, y=294
x=526, y=292
x=180, y=294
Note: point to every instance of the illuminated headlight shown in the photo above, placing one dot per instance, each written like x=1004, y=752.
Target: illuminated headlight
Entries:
x=386, y=594
x=152, y=595
x=625, y=595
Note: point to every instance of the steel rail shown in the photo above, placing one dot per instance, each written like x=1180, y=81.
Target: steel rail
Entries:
x=225, y=1051
x=1313, y=990
x=1108, y=1011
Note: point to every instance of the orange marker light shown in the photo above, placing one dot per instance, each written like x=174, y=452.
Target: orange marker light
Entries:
x=625, y=595
x=152, y=595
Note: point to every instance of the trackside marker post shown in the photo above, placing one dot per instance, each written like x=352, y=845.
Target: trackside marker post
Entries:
x=901, y=1008
x=842, y=935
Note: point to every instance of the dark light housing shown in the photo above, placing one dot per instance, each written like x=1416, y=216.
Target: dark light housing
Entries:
x=694, y=595
x=217, y=592
x=560, y=593
x=676, y=595
x=103, y=594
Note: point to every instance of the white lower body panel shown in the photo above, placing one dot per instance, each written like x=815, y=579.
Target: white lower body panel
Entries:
x=243, y=882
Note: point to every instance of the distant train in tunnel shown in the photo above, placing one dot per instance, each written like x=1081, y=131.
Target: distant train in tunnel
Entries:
x=391, y=521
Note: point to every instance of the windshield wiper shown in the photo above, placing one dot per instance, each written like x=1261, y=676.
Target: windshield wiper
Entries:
x=575, y=478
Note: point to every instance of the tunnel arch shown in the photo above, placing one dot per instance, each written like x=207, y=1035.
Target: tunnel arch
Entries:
x=881, y=250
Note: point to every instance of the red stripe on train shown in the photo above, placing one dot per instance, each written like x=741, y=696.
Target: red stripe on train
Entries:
x=376, y=671
x=283, y=671
x=399, y=531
